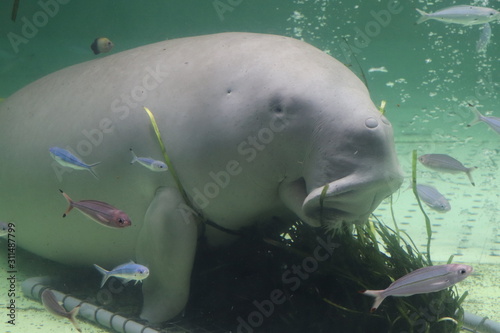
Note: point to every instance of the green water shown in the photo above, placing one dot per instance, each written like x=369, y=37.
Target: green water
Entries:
x=391, y=39
x=381, y=33
x=433, y=71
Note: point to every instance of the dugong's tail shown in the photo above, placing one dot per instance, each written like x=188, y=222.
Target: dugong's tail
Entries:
x=424, y=16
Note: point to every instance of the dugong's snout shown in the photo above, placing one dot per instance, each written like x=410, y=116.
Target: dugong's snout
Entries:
x=349, y=199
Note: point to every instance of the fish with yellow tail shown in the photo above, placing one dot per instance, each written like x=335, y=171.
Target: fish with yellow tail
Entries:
x=50, y=303
x=421, y=281
x=127, y=272
x=100, y=212
x=149, y=163
x=66, y=159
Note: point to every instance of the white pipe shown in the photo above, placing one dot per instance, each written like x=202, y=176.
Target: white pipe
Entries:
x=33, y=288
x=480, y=324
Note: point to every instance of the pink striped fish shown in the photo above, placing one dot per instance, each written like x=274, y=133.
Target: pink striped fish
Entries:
x=421, y=281
x=50, y=303
x=100, y=212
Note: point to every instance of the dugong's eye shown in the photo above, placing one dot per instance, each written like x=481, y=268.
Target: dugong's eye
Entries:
x=462, y=271
x=121, y=221
x=276, y=105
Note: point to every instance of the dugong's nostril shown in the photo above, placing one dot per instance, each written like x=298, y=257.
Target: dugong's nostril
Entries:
x=371, y=122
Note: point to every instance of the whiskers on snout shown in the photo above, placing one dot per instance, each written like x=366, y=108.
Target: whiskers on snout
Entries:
x=339, y=224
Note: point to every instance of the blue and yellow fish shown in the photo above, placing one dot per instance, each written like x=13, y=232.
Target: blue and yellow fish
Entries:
x=149, y=163
x=65, y=158
x=128, y=272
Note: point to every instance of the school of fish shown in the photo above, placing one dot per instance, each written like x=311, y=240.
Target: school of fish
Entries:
x=465, y=15
x=435, y=278
x=102, y=213
x=423, y=280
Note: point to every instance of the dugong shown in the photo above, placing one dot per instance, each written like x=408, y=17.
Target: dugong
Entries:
x=255, y=127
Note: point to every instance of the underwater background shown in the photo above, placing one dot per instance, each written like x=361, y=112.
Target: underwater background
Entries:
x=427, y=74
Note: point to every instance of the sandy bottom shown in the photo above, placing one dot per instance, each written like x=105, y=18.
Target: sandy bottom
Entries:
x=484, y=291
x=30, y=315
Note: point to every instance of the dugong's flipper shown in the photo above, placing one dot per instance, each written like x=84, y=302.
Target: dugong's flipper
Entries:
x=167, y=246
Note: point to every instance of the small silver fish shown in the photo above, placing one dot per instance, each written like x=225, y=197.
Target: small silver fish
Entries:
x=484, y=38
x=4, y=229
x=65, y=158
x=421, y=281
x=432, y=198
x=50, y=303
x=493, y=122
x=149, y=163
x=101, y=45
x=100, y=212
x=463, y=14
x=445, y=163
x=128, y=272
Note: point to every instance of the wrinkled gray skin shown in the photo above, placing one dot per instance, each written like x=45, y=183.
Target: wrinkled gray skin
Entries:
x=271, y=118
